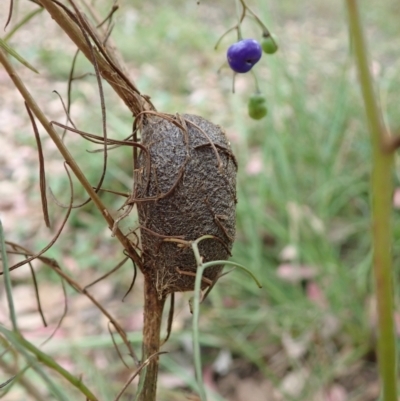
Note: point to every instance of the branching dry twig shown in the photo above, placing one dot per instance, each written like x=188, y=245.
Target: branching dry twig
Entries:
x=67, y=156
x=108, y=69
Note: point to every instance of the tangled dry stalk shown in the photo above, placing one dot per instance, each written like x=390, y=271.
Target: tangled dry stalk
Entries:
x=185, y=188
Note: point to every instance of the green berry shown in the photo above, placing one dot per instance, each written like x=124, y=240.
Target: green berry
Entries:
x=269, y=45
x=256, y=106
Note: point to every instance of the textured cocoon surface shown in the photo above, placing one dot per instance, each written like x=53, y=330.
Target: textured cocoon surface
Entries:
x=186, y=194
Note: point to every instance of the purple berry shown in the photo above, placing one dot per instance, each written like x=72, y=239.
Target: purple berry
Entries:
x=243, y=55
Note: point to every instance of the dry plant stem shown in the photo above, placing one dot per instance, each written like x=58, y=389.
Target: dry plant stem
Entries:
x=135, y=373
x=65, y=153
x=382, y=189
x=153, y=309
x=111, y=46
x=130, y=95
x=81, y=290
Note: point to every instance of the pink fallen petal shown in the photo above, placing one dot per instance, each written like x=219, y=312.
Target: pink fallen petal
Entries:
x=170, y=381
x=208, y=378
x=255, y=165
x=336, y=393
x=43, y=332
x=295, y=273
x=315, y=294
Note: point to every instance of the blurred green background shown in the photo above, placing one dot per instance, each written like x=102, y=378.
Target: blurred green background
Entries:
x=303, y=223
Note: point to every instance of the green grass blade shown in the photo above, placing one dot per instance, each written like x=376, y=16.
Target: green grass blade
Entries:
x=229, y=263
x=23, y=346
x=20, y=24
x=196, y=308
x=7, y=279
x=195, y=333
x=13, y=338
x=13, y=53
x=142, y=379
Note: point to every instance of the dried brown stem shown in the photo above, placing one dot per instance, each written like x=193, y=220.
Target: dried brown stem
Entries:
x=113, y=270
x=153, y=309
x=58, y=233
x=136, y=372
x=37, y=293
x=170, y=317
x=125, y=89
x=106, y=65
x=74, y=284
x=42, y=173
x=67, y=156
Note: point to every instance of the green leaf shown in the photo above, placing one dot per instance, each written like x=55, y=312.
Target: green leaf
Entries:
x=21, y=23
x=13, y=53
x=7, y=278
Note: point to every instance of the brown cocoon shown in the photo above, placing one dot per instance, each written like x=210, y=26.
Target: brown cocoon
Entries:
x=185, y=188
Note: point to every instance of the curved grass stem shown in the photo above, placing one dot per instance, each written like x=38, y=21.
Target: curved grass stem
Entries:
x=196, y=308
x=381, y=194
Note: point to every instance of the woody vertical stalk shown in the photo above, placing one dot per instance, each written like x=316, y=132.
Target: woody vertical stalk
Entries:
x=381, y=190
x=153, y=308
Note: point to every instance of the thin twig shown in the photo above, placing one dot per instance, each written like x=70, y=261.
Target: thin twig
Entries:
x=37, y=296
x=122, y=86
x=67, y=156
x=81, y=290
x=170, y=317
x=132, y=282
x=42, y=172
x=135, y=373
x=116, y=345
x=10, y=13
x=58, y=233
x=21, y=23
x=113, y=270
x=65, y=311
